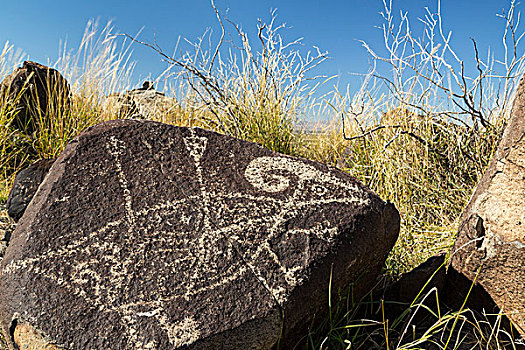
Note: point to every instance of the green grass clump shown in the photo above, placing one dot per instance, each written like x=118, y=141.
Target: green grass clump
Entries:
x=423, y=325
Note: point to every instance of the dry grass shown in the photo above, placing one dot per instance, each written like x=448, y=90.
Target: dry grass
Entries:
x=429, y=183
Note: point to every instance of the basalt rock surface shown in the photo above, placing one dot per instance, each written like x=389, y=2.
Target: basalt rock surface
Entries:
x=36, y=93
x=150, y=236
x=7, y=226
x=24, y=187
x=491, y=239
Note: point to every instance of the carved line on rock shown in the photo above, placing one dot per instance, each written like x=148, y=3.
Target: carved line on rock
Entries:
x=115, y=147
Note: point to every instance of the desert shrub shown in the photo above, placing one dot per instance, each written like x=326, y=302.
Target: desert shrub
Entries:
x=419, y=131
x=254, y=93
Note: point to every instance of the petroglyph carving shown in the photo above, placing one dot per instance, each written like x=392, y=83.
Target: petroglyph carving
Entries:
x=198, y=237
x=261, y=173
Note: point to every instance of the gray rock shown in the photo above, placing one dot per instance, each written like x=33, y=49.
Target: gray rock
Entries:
x=25, y=185
x=490, y=243
x=150, y=236
x=141, y=103
x=37, y=93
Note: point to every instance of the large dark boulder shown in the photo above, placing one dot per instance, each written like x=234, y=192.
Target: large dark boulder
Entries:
x=490, y=245
x=36, y=93
x=150, y=236
x=24, y=187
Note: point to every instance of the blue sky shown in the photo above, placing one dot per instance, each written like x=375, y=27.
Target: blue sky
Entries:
x=37, y=26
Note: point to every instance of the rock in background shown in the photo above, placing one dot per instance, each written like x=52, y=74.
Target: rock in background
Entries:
x=150, y=236
x=141, y=103
x=37, y=93
x=24, y=187
x=491, y=240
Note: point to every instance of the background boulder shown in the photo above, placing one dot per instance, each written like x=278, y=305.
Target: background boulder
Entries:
x=490, y=246
x=24, y=187
x=141, y=103
x=149, y=236
x=37, y=93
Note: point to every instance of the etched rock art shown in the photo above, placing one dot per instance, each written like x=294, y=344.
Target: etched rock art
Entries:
x=149, y=236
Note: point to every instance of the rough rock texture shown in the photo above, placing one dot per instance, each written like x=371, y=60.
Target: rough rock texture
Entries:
x=24, y=187
x=491, y=237
x=28, y=338
x=150, y=236
x=7, y=226
x=44, y=93
x=397, y=304
x=141, y=103
x=458, y=291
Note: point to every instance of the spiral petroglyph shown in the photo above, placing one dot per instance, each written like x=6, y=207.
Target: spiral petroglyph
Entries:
x=262, y=174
